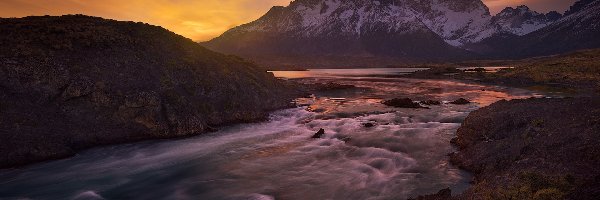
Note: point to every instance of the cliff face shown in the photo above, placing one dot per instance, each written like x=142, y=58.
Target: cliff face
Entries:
x=72, y=82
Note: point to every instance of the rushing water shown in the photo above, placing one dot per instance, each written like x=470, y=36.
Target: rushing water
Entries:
x=403, y=155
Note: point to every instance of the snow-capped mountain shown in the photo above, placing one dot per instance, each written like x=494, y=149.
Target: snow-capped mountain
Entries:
x=408, y=29
x=522, y=20
x=578, y=29
x=405, y=29
x=411, y=29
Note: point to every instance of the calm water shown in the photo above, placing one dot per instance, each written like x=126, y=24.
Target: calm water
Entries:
x=403, y=155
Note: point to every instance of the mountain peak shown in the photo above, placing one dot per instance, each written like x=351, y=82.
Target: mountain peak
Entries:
x=522, y=20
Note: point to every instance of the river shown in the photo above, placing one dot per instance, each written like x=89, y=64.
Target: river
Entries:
x=404, y=154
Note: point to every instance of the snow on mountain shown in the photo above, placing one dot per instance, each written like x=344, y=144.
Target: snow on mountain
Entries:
x=457, y=22
x=578, y=29
x=406, y=29
x=522, y=20
x=316, y=17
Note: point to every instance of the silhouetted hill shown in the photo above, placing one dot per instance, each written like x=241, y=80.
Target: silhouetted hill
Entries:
x=73, y=82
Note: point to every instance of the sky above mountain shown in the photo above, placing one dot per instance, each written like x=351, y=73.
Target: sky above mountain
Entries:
x=197, y=19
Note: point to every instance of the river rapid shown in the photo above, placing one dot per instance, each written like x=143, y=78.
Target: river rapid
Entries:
x=402, y=155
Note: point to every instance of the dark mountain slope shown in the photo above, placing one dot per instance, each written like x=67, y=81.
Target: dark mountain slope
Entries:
x=73, y=82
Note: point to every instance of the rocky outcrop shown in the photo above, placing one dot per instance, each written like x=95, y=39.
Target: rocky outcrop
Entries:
x=73, y=82
x=532, y=149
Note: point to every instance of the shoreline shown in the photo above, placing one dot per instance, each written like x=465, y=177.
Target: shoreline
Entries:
x=150, y=138
x=106, y=82
x=143, y=140
x=515, y=152
x=507, y=145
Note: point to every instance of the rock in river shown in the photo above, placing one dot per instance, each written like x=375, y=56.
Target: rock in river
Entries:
x=402, y=103
x=461, y=101
x=319, y=134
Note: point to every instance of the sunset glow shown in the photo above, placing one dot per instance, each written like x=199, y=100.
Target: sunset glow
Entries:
x=199, y=20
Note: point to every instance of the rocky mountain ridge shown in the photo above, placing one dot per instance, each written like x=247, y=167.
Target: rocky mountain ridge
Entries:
x=522, y=20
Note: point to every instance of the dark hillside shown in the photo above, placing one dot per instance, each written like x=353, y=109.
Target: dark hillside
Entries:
x=73, y=82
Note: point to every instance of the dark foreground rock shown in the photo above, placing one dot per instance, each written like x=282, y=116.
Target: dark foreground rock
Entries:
x=73, y=82
x=532, y=149
x=402, y=103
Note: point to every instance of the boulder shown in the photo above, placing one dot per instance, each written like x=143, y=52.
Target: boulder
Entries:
x=368, y=125
x=319, y=133
x=346, y=139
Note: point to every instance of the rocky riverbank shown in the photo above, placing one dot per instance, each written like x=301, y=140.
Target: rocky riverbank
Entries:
x=531, y=149
x=73, y=82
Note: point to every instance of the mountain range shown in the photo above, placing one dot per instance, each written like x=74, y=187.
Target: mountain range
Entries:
x=366, y=32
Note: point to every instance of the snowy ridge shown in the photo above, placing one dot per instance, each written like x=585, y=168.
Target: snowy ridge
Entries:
x=521, y=20
x=456, y=23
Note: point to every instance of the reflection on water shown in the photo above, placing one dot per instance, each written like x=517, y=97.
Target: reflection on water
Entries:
x=345, y=72
x=403, y=154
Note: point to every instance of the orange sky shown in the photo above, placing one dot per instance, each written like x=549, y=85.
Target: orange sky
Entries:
x=199, y=20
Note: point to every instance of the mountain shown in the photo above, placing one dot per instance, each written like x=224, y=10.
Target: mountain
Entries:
x=366, y=32
x=72, y=82
x=578, y=29
x=402, y=30
x=578, y=6
x=522, y=20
